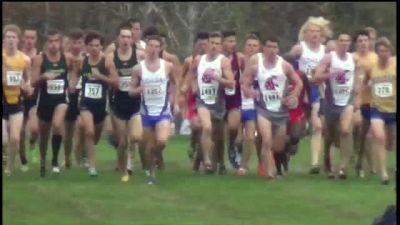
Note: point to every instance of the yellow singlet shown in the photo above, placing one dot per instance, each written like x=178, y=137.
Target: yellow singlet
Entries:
x=365, y=62
x=384, y=87
x=15, y=65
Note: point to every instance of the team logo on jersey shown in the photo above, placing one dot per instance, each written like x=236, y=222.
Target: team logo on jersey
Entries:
x=341, y=77
x=271, y=83
x=209, y=75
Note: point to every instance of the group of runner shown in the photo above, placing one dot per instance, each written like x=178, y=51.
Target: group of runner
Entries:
x=262, y=100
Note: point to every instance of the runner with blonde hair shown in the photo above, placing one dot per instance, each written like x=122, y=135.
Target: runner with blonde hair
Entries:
x=309, y=52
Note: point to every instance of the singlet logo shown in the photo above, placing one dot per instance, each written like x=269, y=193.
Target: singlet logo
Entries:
x=272, y=83
x=341, y=78
x=208, y=75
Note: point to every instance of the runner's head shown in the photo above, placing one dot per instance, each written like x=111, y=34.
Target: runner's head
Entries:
x=331, y=45
x=271, y=48
x=53, y=41
x=29, y=38
x=76, y=40
x=136, y=29
x=372, y=37
x=215, y=43
x=11, y=34
x=201, y=43
x=125, y=36
x=343, y=43
x=94, y=43
x=229, y=41
x=361, y=39
x=252, y=45
x=315, y=30
x=153, y=46
x=149, y=32
x=383, y=48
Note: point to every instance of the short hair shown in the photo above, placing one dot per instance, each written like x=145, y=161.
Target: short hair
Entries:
x=124, y=26
x=133, y=20
x=75, y=34
x=52, y=32
x=31, y=29
x=383, y=41
x=342, y=33
x=13, y=28
x=370, y=31
x=256, y=33
x=92, y=35
x=360, y=33
x=228, y=33
x=215, y=35
x=252, y=36
x=201, y=36
x=271, y=39
x=150, y=31
x=154, y=37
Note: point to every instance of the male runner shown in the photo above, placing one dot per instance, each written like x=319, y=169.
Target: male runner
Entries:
x=76, y=54
x=248, y=113
x=382, y=76
x=95, y=82
x=212, y=72
x=125, y=117
x=366, y=59
x=50, y=75
x=30, y=118
x=338, y=70
x=309, y=52
x=200, y=48
x=151, y=79
x=15, y=80
x=232, y=96
x=272, y=98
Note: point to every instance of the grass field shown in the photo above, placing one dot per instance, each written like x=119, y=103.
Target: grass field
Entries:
x=184, y=198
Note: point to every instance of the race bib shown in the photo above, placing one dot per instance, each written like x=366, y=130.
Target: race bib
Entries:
x=155, y=94
x=55, y=86
x=272, y=100
x=383, y=90
x=124, y=83
x=14, y=78
x=208, y=94
x=94, y=91
x=342, y=94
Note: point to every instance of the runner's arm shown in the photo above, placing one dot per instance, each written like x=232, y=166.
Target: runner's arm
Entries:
x=135, y=88
x=26, y=82
x=112, y=71
x=227, y=80
x=248, y=77
x=36, y=78
x=298, y=83
x=294, y=54
x=321, y=73
x=191, y=77
x=175, y=84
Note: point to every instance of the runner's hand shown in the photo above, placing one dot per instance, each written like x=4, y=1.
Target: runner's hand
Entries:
x=291, y=102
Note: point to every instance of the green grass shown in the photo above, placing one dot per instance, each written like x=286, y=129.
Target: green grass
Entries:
x=184, y=198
